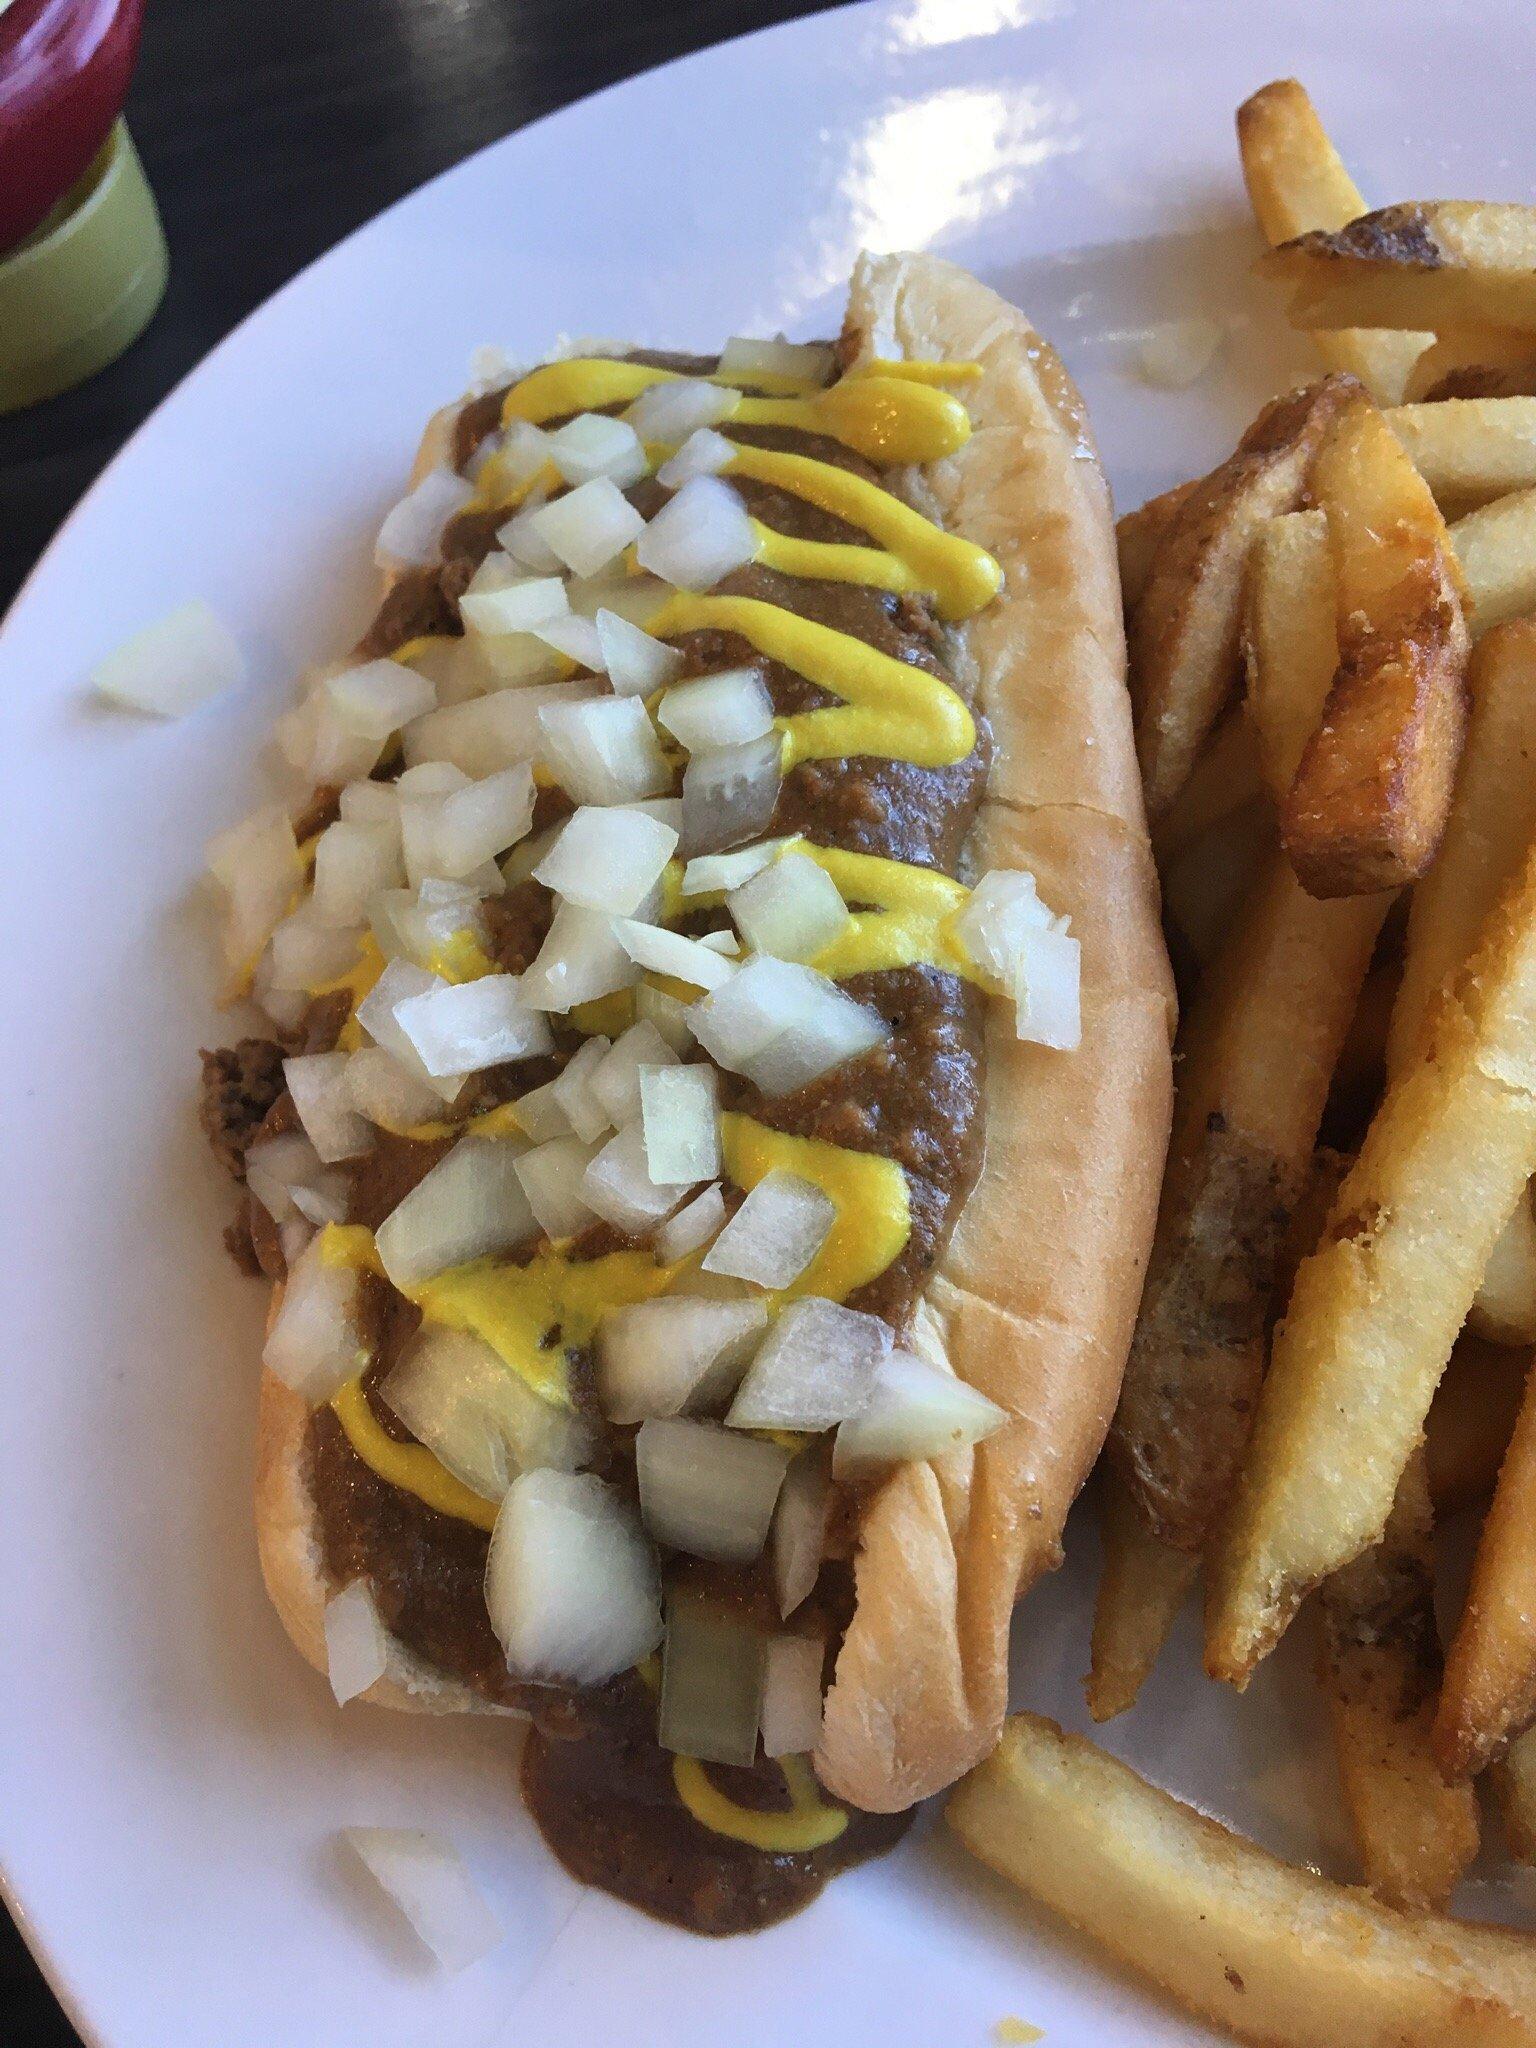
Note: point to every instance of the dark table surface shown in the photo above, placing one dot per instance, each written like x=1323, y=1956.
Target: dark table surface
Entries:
x=269, y=131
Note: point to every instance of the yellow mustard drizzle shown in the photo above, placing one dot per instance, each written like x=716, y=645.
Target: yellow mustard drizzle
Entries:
x=358, y=982
x=910, y=923
x=809, y=1824
x=917, y=370
x=888, y=707
x=410, y=1467
x=869, y=1191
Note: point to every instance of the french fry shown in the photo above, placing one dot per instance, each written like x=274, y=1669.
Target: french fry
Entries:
x=1371, y=795
x=1205, y=883
x=1379, y=1665
x=1224, y=779
x=1478, y=362
x=1471, y=1420
x=1142, y=1586
x=1183, y=632
x=1138, y=536
x=1441, y=264
x=1297, y=181
x=1290, y=640
x=1377, y=1308
x=1505, y=1309
x=1496, y=547
x=1514, y=1788
x=1489, y=1693
x=1469, y=450
x=1258, y=1050
x=1279, y=1955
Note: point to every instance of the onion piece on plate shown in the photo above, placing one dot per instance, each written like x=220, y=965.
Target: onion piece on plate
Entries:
x=619, y=1187
x=776, y=1233
x=652, y=946
x=792, y=909
x=711, y=874
x=541, y=1116
x=916, y=1411
x=798, y=1539
x=604, y=750
x=412, y=534
x=593, y=444
x=729, y=794
x=693, y=1225
x=573, y=1093
x=680, y=1117
x=589, y=526
x=581, y=959
x=384, y=1092
x=516, y=607
x=1177, y=353
x=305, y=953
x=477, y=824
x=465, y=1028
x=425, y=1877
x=476, y=1415
x=607, y=858
x=669, y=412
x=783, y=1025
x=353, y=862
x=317, y=1081
x=489, y=733
x=745, y=359
x=704, y=453
x=356, y=1644
x=315, y=1344
x=616, y=1077
x=667, y=1013
x=719, y=710
x=401, y=980
x=676, y=1353
x=257, y=865
x=469, y=1205
x=791, y=1712
x=700, y=535
x=571, y=1582
x=522, y=539
x=576, y=639
x=711, y=1680
x=173, y=664
x=705, y=1490
x=636, y=663
x=551, y=1176
x=274, y=1167
x=815, y=1369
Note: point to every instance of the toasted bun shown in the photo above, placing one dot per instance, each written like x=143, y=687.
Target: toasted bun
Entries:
x=1036, y=1296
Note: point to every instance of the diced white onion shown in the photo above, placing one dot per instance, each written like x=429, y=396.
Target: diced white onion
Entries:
x=652, y=946
x=592, y=445
x=489, y=733
x=815, y=1369
x=571, y=1582
x=783, y=1025
x=589, y=526
x=381, y=1090
x=917, y=1411
x=721, y=710
x=353, y=862
x=581, y=958
x=285, y=1007
x=724, y=941
x=776, y=1233
x=419, y=924
x=522, y=539
x=425, y=1877
x=315, y=1344
x=477, y=824
x=371, y=702
x=375, y=804
x=1003, y=907
x=552, y=1175
x=617, y=589
x=491, y=368
x=694, y=1224
x=524, y=452
x=607, y=858
x=680, y=1117
x=616, y=1077
x=636, y=663
x=412, y=534
x=707, y=1490
x=465, y=1028
x=729, y=794
x=1178, y=353
x=257, y=865
x=516, y=607
x=604, y=750
x=306, y=953
x=573, y=1092
x=400, y=980
x=476, y=1415
x=619, y=1187
x=709, y=874
x=674, y=1354
x=667, y=1013
x=356, y=1645
x=274, y=1167
x=791, y=1710
x=745, y=359
x=792, y=909
x=576, y=639
x=540, y=1114
x=324, y=1200
x=704, y=453
x=173, y=664
x=799, y=1535
x=317, y=1081
x=1047, y=989
x=699, y=536
x=497, y=571
x=667, y=413
x=470, y=1205
x=711, y=1680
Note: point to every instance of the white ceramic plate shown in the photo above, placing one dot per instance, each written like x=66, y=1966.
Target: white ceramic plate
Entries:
x=171, y=1775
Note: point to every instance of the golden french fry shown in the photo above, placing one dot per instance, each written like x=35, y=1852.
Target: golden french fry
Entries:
x=1469, y=450
x=1489, y=1693
x=1438, y=263
x=1474, y=362
x=1224, y=779
x=1183, y=632
x=1138, y=536
x=1290, y=640
x=1297, y=181
x=1142, y=1586
x=1514, y=1788
x=1505, y=1309
x=1496, y=548
x=1373, y=790
x=1471, y=1420
x=1279, y=1955
x=1379, y=1665
x=1376, y=1310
